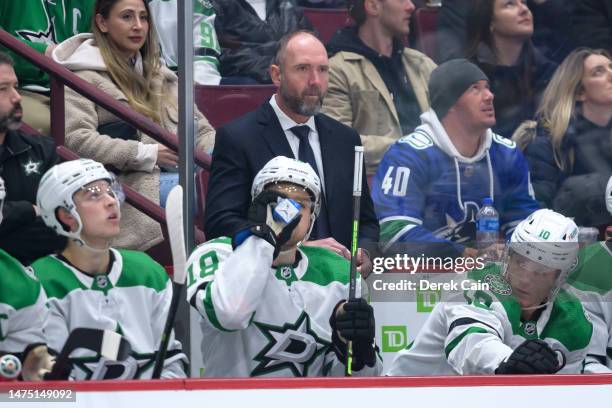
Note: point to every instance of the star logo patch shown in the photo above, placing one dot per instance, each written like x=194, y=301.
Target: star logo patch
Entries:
x=294, y=346
x=32, y=167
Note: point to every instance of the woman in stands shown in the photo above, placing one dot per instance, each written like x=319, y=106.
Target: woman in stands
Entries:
x=121, y=58
x=569, y=148
x=499, y=41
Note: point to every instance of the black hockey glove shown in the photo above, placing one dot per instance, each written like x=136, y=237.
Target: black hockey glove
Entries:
x=532, y=357
x=263, y=224
x=355, y=323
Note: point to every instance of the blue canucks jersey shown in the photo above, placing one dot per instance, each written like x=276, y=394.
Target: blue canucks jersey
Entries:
x=425, y=191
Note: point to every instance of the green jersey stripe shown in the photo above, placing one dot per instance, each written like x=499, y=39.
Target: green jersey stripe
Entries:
x=210, y=310
x=451, y=346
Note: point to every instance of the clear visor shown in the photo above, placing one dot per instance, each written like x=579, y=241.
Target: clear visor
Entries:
x=97, y=191
x=295, y=192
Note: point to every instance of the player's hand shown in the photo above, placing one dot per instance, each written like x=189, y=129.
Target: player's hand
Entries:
x=166, y=156
x=354, y=320
x=264, y=224
x=532, y=357
x=364, y=263
x=331, y=244
x=37, y=363
x=469, y=253
x=493, y=252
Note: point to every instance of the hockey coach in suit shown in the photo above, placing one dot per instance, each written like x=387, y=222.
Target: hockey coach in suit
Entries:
x=289, y=125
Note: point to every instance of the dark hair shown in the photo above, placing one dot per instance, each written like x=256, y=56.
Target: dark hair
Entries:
x=281, y=46
x=6, y=59
x=356, y=9
x=478, y=30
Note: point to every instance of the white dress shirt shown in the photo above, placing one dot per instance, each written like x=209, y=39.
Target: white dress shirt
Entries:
x=313, y=137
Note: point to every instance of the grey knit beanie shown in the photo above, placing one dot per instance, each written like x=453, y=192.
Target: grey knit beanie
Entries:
x=449, y=81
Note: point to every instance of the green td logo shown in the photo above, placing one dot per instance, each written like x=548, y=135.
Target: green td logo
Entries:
x=427, y=299
x=394, y=338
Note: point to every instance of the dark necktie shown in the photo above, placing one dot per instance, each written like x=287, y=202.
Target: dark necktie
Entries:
x=321, y=227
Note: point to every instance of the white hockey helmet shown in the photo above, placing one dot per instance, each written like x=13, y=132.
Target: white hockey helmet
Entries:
x=609, y=195
x=548, y=238
x=285, y=169
x=2, y=197
x=58, y=186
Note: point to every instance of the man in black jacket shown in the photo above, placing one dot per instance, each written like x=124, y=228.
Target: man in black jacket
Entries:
x=289, y=125
x=23, y=161
x=248, y=33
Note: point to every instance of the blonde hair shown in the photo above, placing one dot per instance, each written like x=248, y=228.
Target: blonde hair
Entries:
x=558, y=104
x=138, y=89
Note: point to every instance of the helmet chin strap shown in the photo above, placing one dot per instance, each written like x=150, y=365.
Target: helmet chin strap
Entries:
x=83, y=244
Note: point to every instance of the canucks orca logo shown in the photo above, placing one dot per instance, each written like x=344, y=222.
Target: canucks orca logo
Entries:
x=463, y=230
x=294, y=346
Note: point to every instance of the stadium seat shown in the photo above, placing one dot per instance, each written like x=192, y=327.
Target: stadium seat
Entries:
x=327, y=21
x=426, y=24
x=223, y=103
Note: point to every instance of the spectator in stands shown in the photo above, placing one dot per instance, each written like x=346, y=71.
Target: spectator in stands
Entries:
x=592, y=23
x=205, y=44
x=551, y=21
x=569, y=148
x=248, y=33
x=23, y=161
x=429, y=184
x=41, y=25
x=122, y=59
x=289, y=125
x=376, y=85
x=90, y=284
x=499, y=42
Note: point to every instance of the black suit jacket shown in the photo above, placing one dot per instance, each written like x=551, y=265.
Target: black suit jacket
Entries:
x=245, y=145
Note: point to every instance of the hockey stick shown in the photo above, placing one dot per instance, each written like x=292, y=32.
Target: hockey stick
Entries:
x=174, y=223
x=106, y=343
x=357, y=175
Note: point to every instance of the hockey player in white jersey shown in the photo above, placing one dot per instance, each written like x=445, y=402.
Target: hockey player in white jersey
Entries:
x=271, y=307
x=91, y=285
x=592, y=283
x=524, y=324
x=23, y=316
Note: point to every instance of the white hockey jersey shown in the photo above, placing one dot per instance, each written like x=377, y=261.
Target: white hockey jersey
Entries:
x=475, y=334
x=23, y=314
x=132, y=299
x=592, y=284
x=259, y=320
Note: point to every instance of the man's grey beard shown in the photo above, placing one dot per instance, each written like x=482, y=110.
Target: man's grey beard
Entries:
x=9, y=121
x=298, y=104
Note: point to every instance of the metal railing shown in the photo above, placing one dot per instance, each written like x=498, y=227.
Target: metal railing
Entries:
x=58, y=78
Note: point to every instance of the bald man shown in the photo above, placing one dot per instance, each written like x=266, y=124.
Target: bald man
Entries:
x=289, y=124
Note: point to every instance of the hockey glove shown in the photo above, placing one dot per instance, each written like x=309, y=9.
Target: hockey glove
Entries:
x=532, y=357
x=354, y=322
x=265, y=225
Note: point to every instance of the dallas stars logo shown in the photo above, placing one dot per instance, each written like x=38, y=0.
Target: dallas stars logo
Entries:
x=32, y=167
x=45, y=37
x=294, y=346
